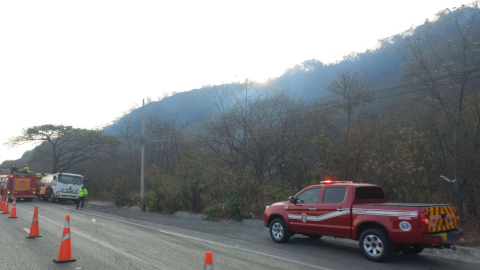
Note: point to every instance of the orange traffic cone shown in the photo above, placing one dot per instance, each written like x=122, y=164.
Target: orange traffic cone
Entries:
x=5, y=206
x=34, y=229
x=13, y=214
x=65, y=253
x=1, y=202
x=208, y=265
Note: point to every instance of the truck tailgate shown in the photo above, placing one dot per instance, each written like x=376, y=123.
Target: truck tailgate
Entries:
x=442, y=218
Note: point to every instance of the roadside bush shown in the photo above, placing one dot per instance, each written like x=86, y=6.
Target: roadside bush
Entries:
x=153, y=203
x=120, y=190
x=233, y=208
x=211, y=213
x=163, y=194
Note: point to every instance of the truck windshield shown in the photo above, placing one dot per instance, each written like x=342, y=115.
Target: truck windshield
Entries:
x=67, y=179
x=369, y=193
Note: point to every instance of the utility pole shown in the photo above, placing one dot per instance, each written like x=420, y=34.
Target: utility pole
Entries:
x=142, y=172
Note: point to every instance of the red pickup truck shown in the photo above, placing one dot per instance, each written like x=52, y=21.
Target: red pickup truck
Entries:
x=361, y=212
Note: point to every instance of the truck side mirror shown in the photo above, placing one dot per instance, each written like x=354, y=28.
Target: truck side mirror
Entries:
x=292, y=200
x=54, y=177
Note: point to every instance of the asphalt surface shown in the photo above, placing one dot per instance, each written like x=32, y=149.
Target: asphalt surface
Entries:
x=110, y=238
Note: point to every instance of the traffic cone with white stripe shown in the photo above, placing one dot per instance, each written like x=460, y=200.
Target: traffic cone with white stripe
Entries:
x=34, y=229
x=65, y=253
x=208, y=265
x=13, y=214
x=5, y=206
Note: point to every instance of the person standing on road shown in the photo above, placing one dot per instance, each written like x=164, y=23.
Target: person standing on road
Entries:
x=82, y=193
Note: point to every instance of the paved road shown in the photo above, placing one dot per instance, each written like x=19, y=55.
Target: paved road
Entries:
x=106, y=238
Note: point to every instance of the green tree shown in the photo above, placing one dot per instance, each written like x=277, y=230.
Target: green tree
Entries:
x=70, y=146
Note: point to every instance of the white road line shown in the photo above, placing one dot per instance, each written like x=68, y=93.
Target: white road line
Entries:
x=42, y=218
x=27, y=230
x=201, y=240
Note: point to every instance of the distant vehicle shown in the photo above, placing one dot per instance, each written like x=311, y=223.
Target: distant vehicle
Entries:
x=61, y=187
x=19, y=185
x=3, y=180
x=361, y=212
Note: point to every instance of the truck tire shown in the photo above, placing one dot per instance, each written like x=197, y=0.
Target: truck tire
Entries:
x=52, y=197
x=279, y=231
x=314, y=236
x=411, y=249
x=375, y=245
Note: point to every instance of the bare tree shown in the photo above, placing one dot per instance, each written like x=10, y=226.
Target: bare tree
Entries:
x=447, y=64
x=350, y=86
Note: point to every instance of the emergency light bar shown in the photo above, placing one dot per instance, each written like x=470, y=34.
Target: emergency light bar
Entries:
x=335, y=182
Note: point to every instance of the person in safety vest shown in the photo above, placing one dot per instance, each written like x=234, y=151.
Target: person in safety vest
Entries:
x=42, y=192
x=82, y=193
x=25, y=168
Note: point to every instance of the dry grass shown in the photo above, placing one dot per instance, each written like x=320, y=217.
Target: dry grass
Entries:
x=102, y=197
x=471, y=236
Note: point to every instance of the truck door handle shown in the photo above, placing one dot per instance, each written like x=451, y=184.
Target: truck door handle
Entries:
x=342, y=209
x=313, y=208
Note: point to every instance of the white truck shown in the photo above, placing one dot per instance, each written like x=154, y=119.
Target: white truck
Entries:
x=61, y=186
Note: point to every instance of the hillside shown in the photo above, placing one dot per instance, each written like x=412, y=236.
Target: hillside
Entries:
x=399, y=115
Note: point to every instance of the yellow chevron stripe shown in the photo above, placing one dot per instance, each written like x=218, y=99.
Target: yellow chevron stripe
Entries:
x=444, y=222
x=452, y=220
x=439, y=221
x=448, y=212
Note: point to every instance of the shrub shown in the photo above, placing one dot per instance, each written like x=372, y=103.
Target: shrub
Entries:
x=211, y=213
x=119, y=189
x=233, y=208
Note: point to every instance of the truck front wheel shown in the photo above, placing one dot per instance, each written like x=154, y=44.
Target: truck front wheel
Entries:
x=279, y=231
x=411, y=249
x=375, y=245
x=52, y=198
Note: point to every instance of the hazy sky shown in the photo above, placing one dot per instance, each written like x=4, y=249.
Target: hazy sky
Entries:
x=82, y=63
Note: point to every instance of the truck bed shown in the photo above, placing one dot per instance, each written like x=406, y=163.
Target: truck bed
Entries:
x=392, y=204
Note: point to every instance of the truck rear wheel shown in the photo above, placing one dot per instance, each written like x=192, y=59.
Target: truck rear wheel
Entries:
x=411, y=249
x=375, y=245
x=279, y=231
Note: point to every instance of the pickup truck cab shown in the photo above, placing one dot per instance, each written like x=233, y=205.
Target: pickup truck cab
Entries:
x=361, y=212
